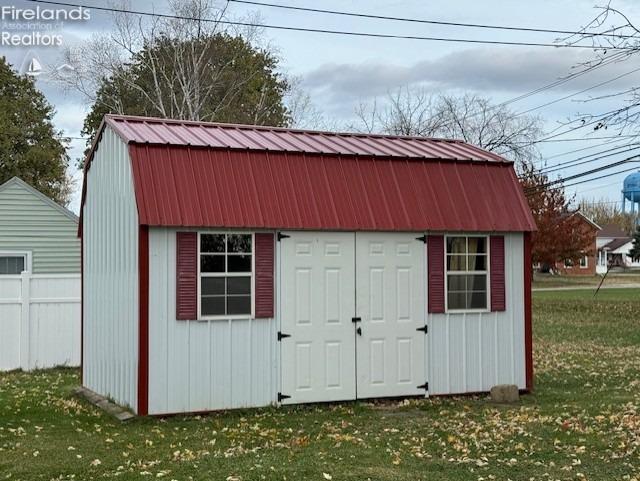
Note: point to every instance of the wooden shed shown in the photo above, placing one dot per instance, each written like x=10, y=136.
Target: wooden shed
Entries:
x=229, y=266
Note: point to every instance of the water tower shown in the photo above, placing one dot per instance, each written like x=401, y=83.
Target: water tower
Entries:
x=631, y=193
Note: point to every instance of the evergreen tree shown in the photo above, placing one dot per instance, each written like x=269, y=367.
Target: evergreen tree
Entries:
x=30, y=147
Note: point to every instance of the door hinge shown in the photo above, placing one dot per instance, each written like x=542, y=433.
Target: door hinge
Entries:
x=282, y=236
x=356, y=319
x=424, y=329
x=424, y=386
x=422, y=238
x=282, y=335
x=282, y=397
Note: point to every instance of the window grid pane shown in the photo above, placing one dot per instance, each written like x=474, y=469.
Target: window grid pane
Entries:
x=224, y=291
x=467, y=273
x=11, y=265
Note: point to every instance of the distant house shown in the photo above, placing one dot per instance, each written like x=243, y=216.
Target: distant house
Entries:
x=36, y=234
x=613, y=248
x=588, y=262
x=39, y=280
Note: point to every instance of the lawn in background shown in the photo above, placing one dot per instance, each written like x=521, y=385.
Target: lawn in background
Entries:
x=582, y=422
x=613, y=279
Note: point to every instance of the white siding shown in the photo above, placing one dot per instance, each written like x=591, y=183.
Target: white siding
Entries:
x=473, y=352
x=202, y=365
x=110, y=230
x=31, y=222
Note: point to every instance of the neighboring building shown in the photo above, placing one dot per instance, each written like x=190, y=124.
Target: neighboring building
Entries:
x=235, y=266
x=39, y=280
x=36, y=234
x=587, y=264
x=614, y=246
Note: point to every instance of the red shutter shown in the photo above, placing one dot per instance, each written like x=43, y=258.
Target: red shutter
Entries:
x=264, y=250
x=435, y=266
x=186, y=275
x=496, y=268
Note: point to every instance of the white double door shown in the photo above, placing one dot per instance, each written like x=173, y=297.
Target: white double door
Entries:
x=351, y=305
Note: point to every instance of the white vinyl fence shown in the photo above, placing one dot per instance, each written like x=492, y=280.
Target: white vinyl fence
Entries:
x=39, y=321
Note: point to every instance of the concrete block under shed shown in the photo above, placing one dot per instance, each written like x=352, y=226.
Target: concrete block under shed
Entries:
x=505, y=393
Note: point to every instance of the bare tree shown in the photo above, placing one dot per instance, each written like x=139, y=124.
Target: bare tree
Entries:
x=190, y=65
x=603, y=211
x=471, y=118
x=303, y=113
x=615, y=39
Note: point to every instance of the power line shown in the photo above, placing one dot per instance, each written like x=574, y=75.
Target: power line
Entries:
x=562, y=180
x=583, y=139
x=579, y=92
x=328, y=31
x=562, y=154
x=579, y=161
x=601, y=177
x=431, y=22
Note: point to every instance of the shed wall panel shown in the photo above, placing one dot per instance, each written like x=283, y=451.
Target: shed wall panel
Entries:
x=28, y=223
x=202, y=365
x=110, y=305
x=471, y=352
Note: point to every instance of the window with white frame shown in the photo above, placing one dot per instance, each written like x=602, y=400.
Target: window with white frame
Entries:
x=584, y=262
x=568, y=263
x=12, y=264
x=226, y=274
x=467, y=273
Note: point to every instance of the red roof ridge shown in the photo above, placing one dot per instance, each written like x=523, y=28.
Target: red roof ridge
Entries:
x=204, y=123
x=187, y=133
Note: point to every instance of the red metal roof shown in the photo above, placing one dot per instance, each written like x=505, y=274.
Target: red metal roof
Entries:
x=145, y=130
x=178, y=185
x=217, y=175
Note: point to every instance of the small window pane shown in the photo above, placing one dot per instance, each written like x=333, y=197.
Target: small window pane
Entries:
x=477, y=300
x=457, y=300
x=238, y=305
x=239, y=263
x=456, y=245
x=477, y=263
x=238, y=285
x=456, y=283
x=212, y=306
x=212, y=263
x=456, y=263
x=477, y=282
x=239, y=243
x=477, y=245
x=212, y=243
x=11, y=265
x=212, y=286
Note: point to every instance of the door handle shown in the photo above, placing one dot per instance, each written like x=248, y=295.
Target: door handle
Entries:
x=359, y=331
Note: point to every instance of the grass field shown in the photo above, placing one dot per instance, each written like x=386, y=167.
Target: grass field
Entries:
x=612, y=279
x=582, y=422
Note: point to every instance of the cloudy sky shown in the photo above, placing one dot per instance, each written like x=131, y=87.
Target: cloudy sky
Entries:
x=340, y=72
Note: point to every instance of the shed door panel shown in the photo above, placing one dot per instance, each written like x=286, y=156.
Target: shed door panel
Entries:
x=317, y=304
x=390, y=293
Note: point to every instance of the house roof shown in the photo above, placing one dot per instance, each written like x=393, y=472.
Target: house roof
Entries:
x=230, y=176
x=616, y=243
x=146, y=130
x=612, y=230
x=21, y=183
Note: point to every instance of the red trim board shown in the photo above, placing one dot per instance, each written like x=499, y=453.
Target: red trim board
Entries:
x=143, y=320
x=528, y=330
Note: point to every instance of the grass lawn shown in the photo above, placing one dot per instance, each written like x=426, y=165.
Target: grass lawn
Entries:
x=613, y=278
x=582, y=422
